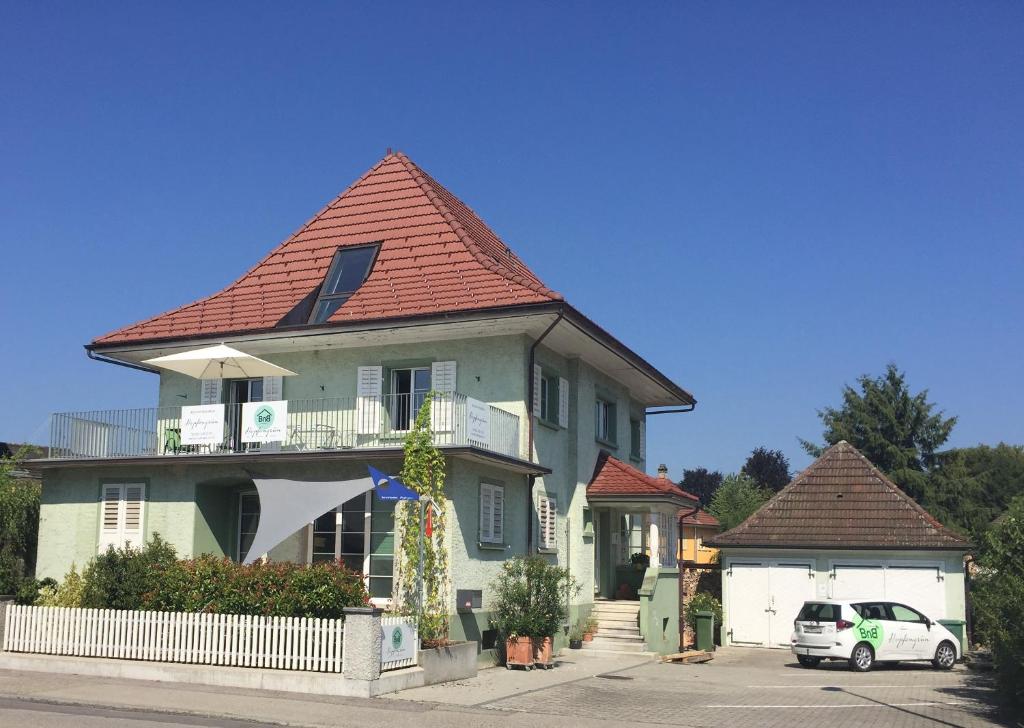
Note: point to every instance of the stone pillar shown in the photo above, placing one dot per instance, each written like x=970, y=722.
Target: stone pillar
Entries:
x=652, y=539
x=362, y=643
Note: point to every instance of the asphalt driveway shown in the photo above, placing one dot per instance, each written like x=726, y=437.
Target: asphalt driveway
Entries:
x=740, y=687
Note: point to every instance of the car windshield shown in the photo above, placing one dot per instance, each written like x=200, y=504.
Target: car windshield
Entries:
x=817, y=612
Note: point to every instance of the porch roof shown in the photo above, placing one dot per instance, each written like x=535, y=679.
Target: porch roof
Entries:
x=615, y=481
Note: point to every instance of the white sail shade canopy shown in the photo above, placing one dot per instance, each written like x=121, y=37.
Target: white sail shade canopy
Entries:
x=219, y=362
x=288, y=505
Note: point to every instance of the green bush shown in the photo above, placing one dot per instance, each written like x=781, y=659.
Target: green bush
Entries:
x=702, y=602
x=12, y=572
x=999, y=603
x=68, y=593
x=211, y=584
x=119, y=578
x=531, y=597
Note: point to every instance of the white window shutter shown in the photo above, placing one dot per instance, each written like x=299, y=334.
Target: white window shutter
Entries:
x=273, y=389
x=563, y=402
x=134, y=501
x=486, y=513
x=538, y=374
x=110, y=518
x=498, y=514
x=209, y=392
x=442, y=408
x=369, y=383
x=548, y=518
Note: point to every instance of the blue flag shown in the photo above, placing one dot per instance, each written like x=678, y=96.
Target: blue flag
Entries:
x=390, y=488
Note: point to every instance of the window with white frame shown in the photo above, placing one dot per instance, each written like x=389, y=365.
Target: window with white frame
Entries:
x=409, y=389
x=122, y=512
x=361, y=535
x=248, y=520
x=492, y=513
x=631, y=536
x=547, y=511
x=604, y=424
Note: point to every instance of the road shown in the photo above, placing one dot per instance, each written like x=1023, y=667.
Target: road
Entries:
x=738, y=688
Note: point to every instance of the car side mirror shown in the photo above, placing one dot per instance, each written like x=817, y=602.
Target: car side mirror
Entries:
x=928, y=624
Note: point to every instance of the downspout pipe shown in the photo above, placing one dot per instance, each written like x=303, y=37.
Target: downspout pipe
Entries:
x=530, y=384
x=682, y=550
x=107, y=360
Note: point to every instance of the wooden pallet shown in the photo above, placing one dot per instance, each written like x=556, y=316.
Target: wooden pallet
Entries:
x=690, y=657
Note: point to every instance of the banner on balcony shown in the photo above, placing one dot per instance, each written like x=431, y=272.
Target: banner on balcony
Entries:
x=478, y=421
x=265, y=421
x=202, y=424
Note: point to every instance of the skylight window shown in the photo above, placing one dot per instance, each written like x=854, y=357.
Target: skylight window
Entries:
x=348, y=270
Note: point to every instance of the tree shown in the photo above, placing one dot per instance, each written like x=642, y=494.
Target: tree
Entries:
x=702, y=483
x=423, y=471
x=999, y=603
x=768, y=468
x=896, y=430
x=736, y=500
x=19, y=524
x=968, y=488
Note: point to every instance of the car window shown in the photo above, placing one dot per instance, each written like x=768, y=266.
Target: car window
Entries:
x=872, y=610
x=815, y=612
x=905, y=614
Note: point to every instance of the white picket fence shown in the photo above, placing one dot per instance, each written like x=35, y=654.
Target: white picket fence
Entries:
x=388, y=621
x=286, y=643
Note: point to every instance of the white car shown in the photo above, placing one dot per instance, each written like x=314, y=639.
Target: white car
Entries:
x=863, y=632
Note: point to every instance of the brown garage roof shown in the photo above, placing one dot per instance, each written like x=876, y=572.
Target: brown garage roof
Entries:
x=841, y=501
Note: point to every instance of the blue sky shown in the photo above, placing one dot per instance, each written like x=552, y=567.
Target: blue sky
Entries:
x=766, y=200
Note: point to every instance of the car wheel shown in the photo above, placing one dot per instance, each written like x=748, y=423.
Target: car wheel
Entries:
x=945, y=656
x=862, y=657
x=808, y=661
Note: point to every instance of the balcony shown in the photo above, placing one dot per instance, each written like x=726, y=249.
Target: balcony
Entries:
x=335, y=424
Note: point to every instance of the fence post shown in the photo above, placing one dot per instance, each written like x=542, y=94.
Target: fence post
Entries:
x=5, y=608
x=362, y=643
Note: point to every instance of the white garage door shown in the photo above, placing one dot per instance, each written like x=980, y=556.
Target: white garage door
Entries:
x=764, y=599
x=920, y=587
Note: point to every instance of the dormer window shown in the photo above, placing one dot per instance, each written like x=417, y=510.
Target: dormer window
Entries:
x=348, y=270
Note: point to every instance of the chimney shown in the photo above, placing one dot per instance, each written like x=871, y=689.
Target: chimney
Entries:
x=663, y=471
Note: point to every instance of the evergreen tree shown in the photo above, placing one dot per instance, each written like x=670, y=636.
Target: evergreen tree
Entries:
x=768, y=468
x=702, y=483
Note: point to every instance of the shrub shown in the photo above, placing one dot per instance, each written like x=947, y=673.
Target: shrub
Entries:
x=12, y=571
x=702, y=602
x=531, y=597
x=999, y=603
x=68, y=593
x=212, y=584
x=119, y=578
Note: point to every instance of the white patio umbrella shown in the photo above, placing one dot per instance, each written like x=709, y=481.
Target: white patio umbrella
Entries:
x=219, y=362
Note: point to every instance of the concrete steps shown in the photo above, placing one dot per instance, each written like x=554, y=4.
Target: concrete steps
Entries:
x=618, y=628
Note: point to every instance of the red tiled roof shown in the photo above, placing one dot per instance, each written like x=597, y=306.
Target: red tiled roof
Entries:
x=435, y=256
x=700, y=518
x=614, y=478
x=841, y=501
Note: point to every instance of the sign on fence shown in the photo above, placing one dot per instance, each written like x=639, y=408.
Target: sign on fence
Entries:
x=202, y=424
x=478, y=421
x=398, y=643
x=265, y=421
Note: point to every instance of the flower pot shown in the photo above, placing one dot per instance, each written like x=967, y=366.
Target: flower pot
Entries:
x=542, y=651
x=576, y=644
x=519, y=651
x=588, y=636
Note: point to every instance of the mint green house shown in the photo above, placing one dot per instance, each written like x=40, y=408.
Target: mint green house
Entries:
x=394, y=289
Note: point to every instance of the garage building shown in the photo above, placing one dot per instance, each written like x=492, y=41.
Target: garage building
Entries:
x=839, y=530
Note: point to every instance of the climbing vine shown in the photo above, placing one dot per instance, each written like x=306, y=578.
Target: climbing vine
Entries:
x=424, y=472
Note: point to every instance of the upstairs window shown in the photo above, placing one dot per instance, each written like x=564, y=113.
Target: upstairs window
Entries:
x=636, y=449
x=348, y=270
x=605, y=421
x=549, y=398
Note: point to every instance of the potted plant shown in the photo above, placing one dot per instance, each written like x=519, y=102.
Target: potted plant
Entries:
x=550, y=590
x=589, y=629
x=640, y=561
x=576, y=637
x=511, y=615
